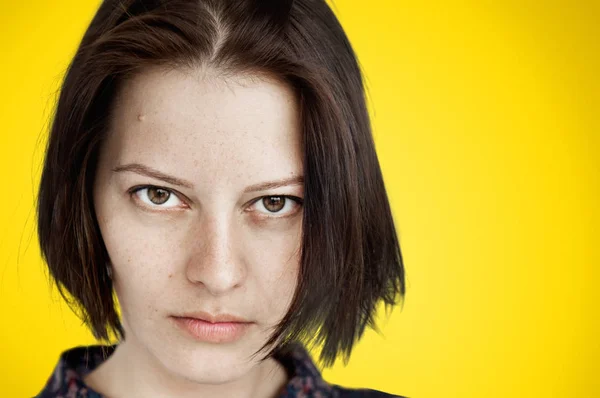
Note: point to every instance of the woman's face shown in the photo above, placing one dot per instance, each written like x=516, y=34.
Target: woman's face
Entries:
x=178, y=197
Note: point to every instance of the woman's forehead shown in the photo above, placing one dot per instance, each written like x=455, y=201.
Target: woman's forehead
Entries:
x=195, y=123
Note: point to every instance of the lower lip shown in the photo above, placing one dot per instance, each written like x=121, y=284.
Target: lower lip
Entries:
x=220, y=332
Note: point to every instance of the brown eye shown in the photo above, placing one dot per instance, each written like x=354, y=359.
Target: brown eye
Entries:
x=278, y=206
x=158, y=196
x=274, y=203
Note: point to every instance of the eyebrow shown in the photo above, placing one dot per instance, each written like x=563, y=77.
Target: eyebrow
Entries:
x=153, y=173
x=263, y=186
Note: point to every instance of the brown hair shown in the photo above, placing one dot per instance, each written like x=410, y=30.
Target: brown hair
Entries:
x=351, y=257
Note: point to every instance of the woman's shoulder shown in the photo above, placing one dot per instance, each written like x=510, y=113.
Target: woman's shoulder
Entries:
x=342, y=392
x=66, y=379
x=306, y=380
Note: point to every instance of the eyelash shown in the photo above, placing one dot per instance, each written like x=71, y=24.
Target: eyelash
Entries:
x=134, y=190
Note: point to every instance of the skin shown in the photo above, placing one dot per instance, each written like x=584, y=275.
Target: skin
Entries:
x=210, y=246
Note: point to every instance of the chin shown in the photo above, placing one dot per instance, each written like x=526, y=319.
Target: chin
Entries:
x=207, y=363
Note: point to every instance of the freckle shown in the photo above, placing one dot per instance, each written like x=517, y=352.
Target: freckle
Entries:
x=141, y=117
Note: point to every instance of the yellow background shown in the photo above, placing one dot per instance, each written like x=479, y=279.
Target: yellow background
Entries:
x=486, y=122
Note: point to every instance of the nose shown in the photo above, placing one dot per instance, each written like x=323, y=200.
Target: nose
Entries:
x=214, y=262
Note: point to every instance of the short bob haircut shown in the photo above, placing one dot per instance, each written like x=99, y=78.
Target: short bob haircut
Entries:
x=350, y=254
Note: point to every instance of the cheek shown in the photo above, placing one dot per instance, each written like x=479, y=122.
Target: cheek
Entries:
x=143, y=259
x=275, y=268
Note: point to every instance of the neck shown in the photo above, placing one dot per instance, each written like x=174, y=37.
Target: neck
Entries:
x=136, y=372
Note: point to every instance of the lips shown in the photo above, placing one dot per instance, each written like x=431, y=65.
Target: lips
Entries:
x=220, y=318
x=222, y=328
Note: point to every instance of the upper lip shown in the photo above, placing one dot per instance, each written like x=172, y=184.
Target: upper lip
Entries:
x=219, y=318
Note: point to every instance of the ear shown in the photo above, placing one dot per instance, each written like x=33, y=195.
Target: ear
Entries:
x=109, y=271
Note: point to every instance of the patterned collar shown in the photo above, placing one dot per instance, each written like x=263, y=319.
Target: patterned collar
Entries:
x=67, y=379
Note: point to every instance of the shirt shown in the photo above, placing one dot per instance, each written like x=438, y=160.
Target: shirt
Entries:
x=304, y=380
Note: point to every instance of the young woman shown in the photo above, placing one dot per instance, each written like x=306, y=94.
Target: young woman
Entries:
x=211, y=198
